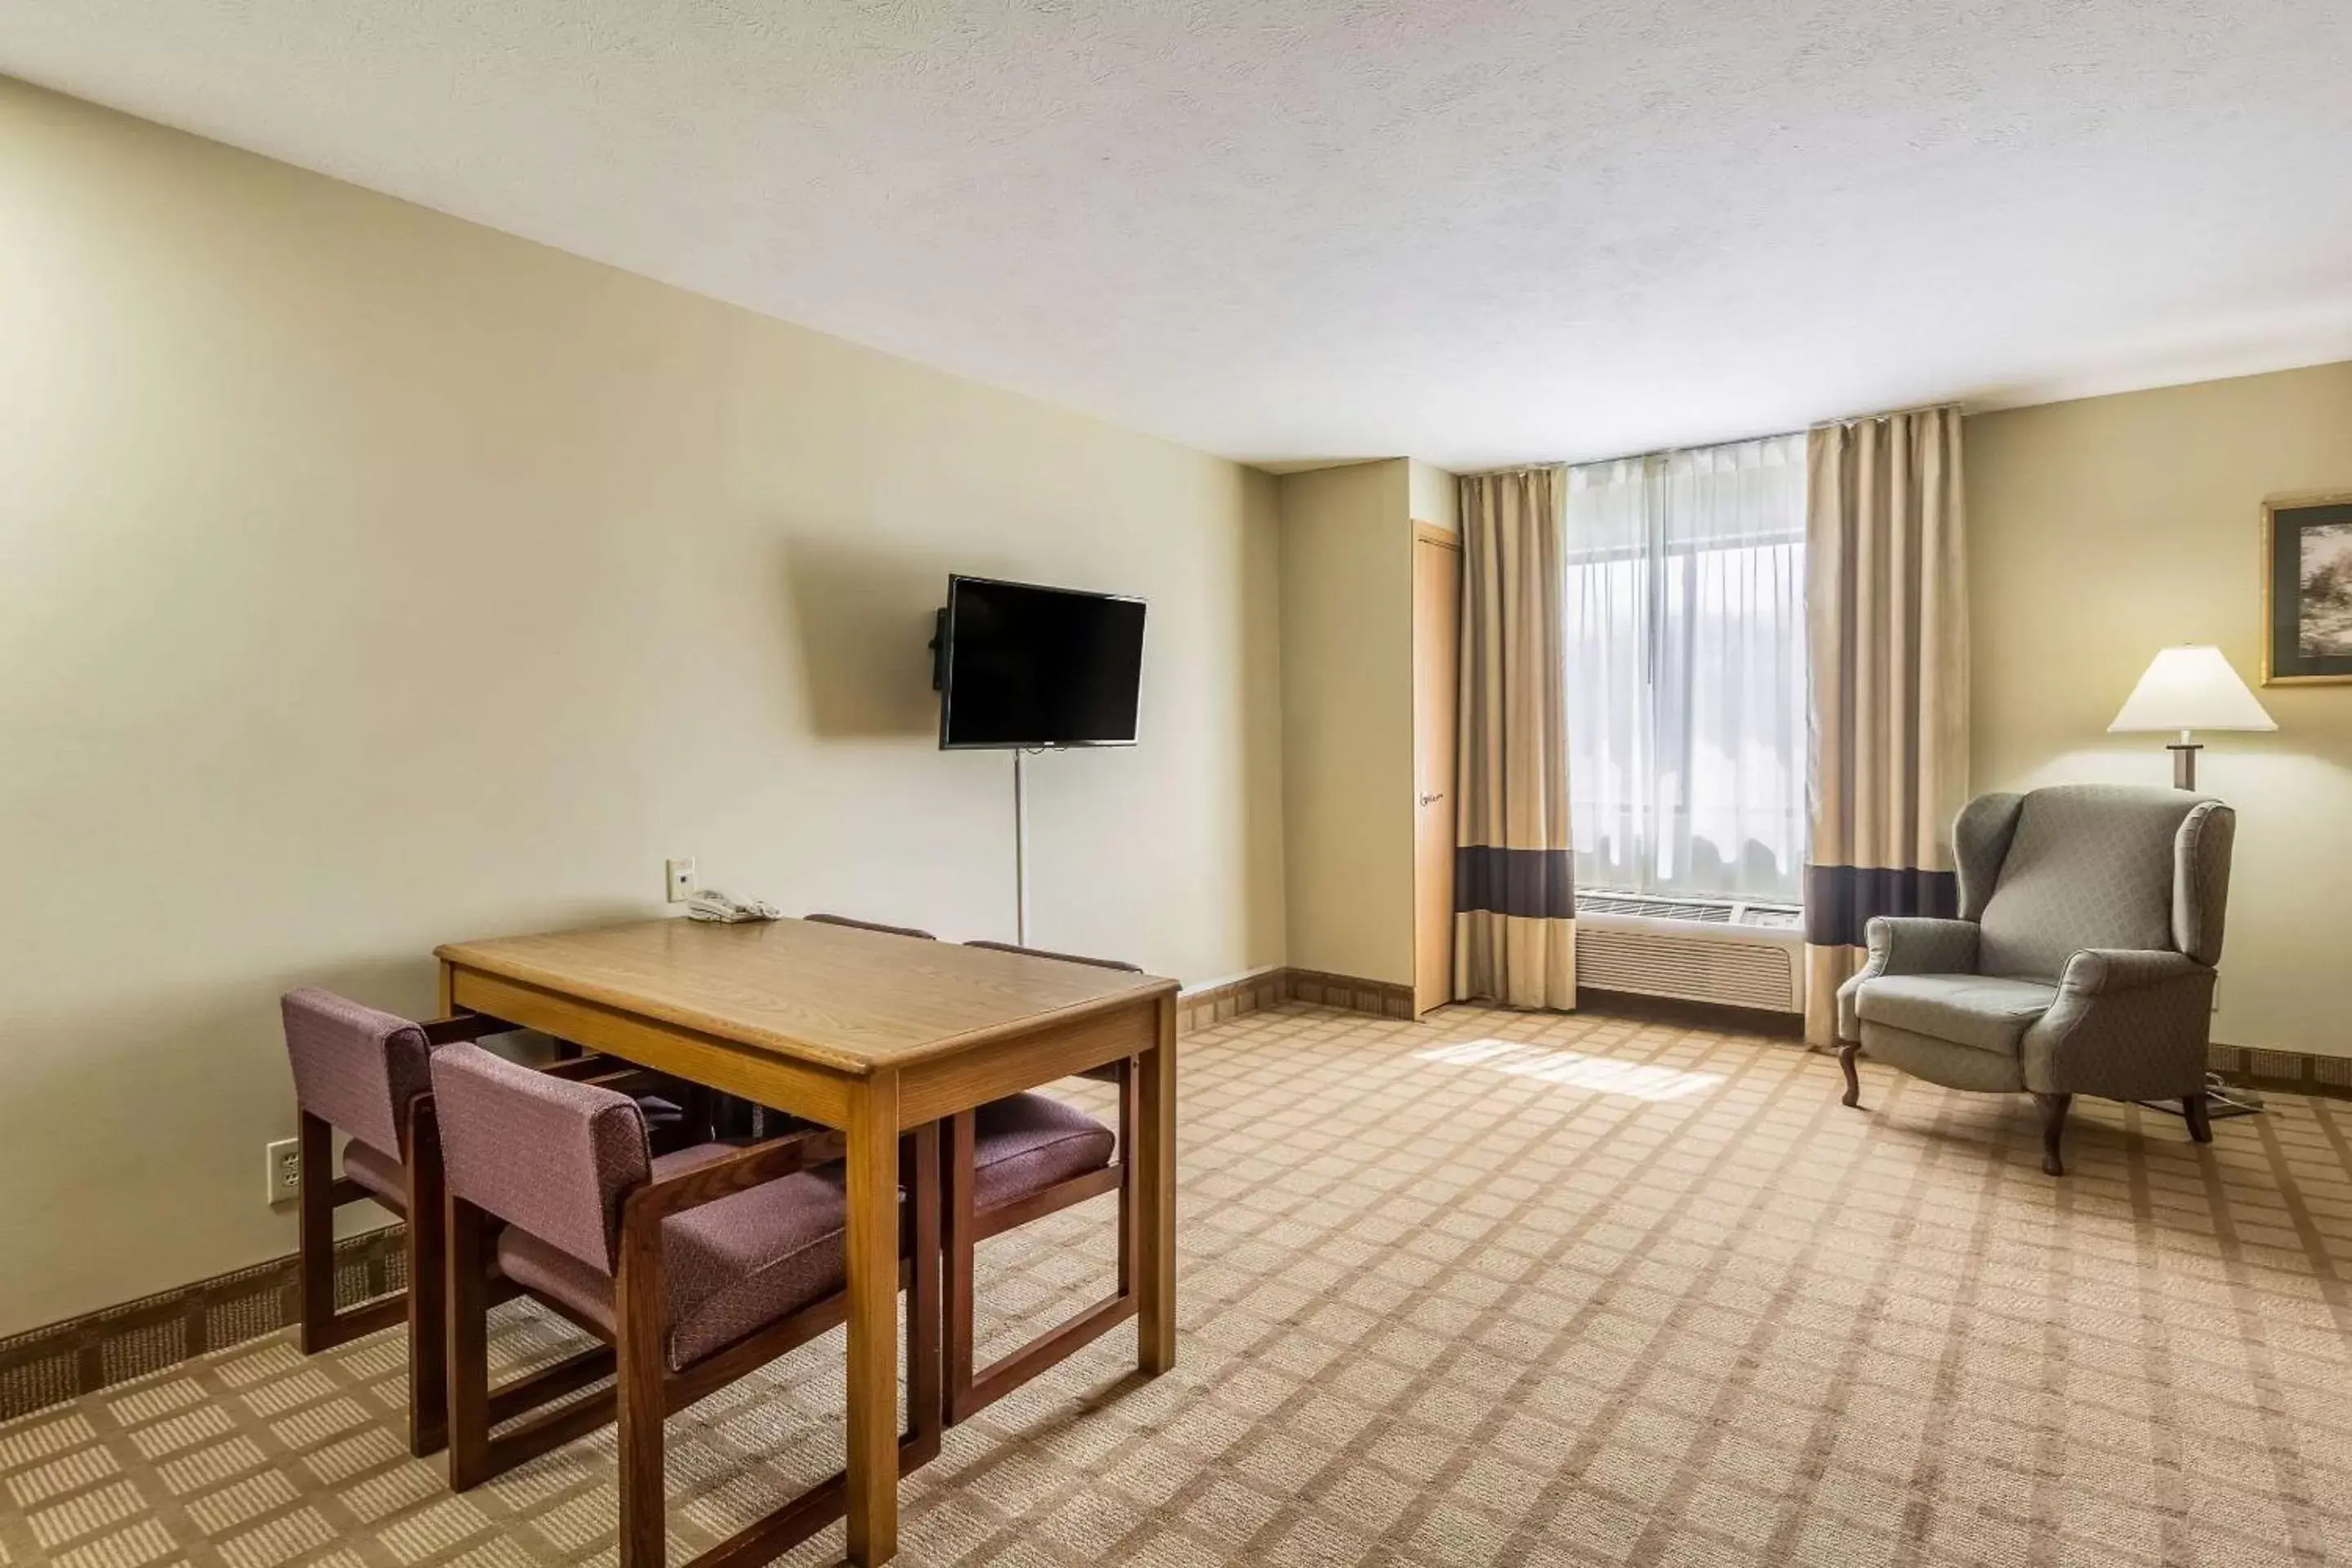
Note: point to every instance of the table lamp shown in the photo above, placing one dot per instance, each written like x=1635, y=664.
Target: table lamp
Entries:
x=2189, y=689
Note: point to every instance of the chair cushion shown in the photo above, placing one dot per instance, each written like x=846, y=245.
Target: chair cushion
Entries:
x=381, y=1174
x=731, y=1266
x=1027, y=1142
x=1983, y=1011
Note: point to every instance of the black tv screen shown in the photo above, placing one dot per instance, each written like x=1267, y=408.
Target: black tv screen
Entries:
x=1024, y=665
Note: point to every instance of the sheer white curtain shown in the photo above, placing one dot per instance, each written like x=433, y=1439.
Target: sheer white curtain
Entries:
x=1686, y=632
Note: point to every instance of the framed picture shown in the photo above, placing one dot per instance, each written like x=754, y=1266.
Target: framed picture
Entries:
x=2307, y=590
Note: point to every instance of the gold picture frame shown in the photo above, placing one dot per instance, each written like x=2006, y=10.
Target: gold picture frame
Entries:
x=2291, y=526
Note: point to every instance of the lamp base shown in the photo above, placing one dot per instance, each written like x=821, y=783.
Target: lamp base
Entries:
x=2184, y=763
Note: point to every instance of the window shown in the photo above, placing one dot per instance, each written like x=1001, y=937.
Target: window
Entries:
x=1686, y=680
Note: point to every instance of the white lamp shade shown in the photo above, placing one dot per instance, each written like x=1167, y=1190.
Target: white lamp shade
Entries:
x=2191, y=688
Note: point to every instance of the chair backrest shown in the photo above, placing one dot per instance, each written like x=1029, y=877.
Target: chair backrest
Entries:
x=871, y=925
x=354, y=1068
x=552, y=1156
x=2090, y=866
x=1118, y=963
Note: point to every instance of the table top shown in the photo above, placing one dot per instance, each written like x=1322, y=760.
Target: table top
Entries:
x=853, y=1001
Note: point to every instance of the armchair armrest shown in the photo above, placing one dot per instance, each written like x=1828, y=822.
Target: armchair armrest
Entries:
x=2107, y=971
x=764, y=1161
x=1907, y=944
x=1916, y=945
x=2128, y=1024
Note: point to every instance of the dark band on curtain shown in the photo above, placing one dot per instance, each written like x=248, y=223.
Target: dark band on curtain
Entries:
x=1538, y=884
x=1840, y=900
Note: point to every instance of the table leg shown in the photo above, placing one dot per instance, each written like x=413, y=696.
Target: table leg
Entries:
x=873, y=1269
x=1155, y=1151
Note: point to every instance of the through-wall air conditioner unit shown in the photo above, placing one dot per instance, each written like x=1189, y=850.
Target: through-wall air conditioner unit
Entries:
x=1732, y=953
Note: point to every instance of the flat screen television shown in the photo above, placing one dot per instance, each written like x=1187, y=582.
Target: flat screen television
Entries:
x=1022, y=666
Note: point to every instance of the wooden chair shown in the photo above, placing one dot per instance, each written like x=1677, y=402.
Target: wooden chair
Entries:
x=363, y=1071
x=917, y=934
x=1016, y=1160
x=1013, y=1161
x=695, y=1268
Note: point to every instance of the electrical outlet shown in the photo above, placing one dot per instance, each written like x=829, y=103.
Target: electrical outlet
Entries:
x=681, y=879
x=285, y=1158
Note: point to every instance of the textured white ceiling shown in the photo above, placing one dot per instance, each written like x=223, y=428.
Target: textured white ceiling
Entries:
x=1474, y=232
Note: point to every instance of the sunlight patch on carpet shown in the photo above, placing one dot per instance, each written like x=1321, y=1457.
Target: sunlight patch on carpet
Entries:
x=1602, y=1075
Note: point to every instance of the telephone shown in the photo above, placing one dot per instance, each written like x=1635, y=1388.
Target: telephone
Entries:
x=710, y=904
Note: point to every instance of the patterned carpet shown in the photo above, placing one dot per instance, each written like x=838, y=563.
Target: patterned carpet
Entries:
x=1490, y=1289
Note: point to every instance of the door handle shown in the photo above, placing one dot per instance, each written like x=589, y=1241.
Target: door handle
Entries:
x=1432, y=799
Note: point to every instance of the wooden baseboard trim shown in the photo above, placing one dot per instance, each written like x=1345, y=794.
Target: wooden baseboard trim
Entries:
x=45, y=1366
x=2288, y=1072
x=1221, y=1004
x=1272, y=987
x=1382, y=998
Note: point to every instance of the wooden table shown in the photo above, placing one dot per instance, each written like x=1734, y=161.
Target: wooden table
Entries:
x=871, y=1033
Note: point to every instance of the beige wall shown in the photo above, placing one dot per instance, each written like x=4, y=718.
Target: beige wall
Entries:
x=1347, y=702
x=1436, y=495
x=369, y=580
x=2103, y=530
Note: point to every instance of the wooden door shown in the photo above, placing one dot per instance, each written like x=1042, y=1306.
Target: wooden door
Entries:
x=1437, y=655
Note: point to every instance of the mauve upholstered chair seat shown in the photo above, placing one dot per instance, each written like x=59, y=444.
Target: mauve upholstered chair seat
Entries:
x=1027, y=1142
x=383, y=1177
x=731, y=1266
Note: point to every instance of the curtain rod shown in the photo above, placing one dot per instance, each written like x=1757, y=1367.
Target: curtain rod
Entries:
x=1509, y=469
x=1627, y=456
x=1952, y=403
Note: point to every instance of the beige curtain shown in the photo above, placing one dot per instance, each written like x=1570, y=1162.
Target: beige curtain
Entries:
x=1888, y=615
x=1514, y=883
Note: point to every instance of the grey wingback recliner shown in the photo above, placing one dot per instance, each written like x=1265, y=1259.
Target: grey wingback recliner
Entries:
x=2081, y=962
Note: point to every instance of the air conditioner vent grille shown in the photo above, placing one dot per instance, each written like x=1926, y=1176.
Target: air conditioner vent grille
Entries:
x=1730, y=973
x=1704, y=911
x=1654, y=908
